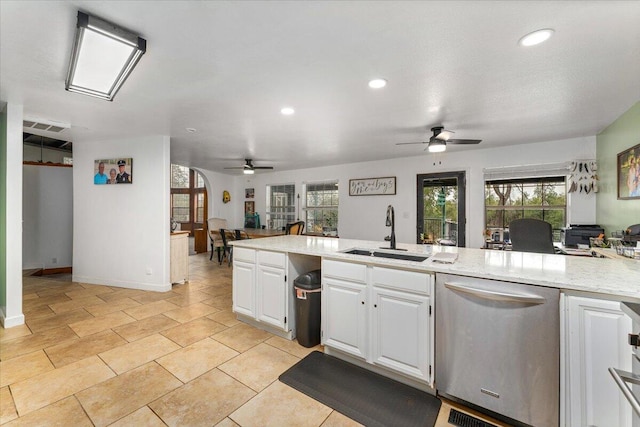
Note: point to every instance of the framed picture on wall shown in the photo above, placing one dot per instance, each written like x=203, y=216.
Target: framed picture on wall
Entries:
x=249, y=207
x=113, y=171
x=629, y=173
x=248, y=193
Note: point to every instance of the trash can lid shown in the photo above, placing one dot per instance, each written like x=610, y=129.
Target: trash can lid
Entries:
x=308, y=281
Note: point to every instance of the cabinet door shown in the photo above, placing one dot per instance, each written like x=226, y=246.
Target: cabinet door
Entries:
x=244, y=279
x=271, y=296
x=401, y=332
x=597, y=333
x=344, y=316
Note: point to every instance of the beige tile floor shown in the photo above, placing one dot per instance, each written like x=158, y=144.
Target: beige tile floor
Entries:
x=98, y=355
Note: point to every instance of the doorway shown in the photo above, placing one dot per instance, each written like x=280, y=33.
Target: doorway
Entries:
x=441, y=209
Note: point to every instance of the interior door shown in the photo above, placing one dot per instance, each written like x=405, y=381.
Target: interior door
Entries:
x=441, y=208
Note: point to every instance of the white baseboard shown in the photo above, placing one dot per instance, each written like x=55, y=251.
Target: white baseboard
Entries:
x=122, y=284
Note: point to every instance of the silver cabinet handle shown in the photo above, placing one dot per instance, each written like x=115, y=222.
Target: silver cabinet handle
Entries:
x=621, y=378
x=497, y=295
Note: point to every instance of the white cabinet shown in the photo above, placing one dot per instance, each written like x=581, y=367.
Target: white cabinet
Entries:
x=179, y=261
x=260, y=287
x=344, y=316
x=595, y=341
x=401, y=332
x=380, y=315
x=271, y=295
x=244, y=285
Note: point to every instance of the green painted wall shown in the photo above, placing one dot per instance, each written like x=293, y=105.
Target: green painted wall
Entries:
x=3, y=208
x=624, y=133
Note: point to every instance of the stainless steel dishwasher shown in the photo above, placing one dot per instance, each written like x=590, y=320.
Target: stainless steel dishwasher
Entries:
x=498, y=347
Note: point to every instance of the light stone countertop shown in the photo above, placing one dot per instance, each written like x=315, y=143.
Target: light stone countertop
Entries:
x=614, y=277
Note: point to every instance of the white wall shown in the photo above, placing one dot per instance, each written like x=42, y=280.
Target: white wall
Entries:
x=364, y=217
x=47, y=205
x=216, y=183
x=11, y=310
x=121, y=232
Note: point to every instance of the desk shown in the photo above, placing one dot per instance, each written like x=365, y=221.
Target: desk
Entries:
x=257, y=233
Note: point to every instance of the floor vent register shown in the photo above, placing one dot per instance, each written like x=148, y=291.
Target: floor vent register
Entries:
x=460, y=419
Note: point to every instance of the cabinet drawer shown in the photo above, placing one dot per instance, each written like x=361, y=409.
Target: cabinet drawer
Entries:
x=244, y=254
x=345, y=270
x=400, y=279
x=274, y=259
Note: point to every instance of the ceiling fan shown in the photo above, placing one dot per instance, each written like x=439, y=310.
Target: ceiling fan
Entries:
x=248, y=168
x=438, y=142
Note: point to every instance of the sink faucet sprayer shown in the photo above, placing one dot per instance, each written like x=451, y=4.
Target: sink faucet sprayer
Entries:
x=391, y=222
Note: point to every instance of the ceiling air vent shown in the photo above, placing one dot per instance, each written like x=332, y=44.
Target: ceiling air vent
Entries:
x=46, y=125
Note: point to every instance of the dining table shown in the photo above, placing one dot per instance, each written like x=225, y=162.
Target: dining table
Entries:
x=258, y=233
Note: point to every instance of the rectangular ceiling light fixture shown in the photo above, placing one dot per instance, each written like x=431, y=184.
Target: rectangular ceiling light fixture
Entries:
x=103, y=56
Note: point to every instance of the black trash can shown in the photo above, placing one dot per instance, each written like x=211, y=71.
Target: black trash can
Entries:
x=307, y=293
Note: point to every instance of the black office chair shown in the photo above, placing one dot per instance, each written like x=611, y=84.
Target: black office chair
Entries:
x=227, y=249
x=294, y=228
x=531, y=235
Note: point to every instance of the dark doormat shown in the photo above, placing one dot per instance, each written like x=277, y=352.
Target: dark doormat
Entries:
x=364, y=396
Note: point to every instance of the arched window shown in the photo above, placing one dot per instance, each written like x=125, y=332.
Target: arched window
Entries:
x=188, y=198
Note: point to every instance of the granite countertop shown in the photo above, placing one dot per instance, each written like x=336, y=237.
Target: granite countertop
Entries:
x=615, y=277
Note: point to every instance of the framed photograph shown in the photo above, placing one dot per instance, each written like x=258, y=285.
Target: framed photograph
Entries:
x=113, y=171
x=372, y=186
x=629, y=173
x=248, y=193
x=249, y=207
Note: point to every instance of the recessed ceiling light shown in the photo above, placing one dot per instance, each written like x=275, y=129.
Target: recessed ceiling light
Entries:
x=377, y=83
x=536, y=37
x=287, y=111
x=191, y=130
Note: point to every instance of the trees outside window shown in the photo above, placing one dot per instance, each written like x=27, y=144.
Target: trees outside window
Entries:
x=322, y=208
x=540, y=198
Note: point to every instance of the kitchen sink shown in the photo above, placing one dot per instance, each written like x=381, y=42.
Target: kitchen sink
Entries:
x=374, y=253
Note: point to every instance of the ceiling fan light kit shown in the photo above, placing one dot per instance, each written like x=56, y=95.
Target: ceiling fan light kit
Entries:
x=248, y=168
x=438, y=142
x=437, y=146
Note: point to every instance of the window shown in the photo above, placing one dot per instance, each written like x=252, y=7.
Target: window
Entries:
x=188, y=198
x=541, y=198
x=322, y=208
x=281, y=205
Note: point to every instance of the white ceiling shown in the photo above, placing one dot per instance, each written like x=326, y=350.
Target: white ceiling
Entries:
x=227, y=68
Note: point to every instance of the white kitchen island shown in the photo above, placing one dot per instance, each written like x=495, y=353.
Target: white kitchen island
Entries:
x=377, y=312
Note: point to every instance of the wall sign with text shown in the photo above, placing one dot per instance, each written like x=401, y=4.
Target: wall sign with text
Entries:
x=372, y=186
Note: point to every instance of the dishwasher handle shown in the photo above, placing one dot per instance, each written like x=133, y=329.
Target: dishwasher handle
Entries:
x=621, y=378
x=496, y=295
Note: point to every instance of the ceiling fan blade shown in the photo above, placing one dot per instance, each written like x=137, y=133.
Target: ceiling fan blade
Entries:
x=411, y=143
x=444, y=135
x=262, y=167
x=464, y=141
x=236, y=167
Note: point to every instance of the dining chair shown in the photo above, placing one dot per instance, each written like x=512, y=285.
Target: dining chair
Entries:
x=226, y=236
x=214, y=225
x=295, y=228
x=531, y=235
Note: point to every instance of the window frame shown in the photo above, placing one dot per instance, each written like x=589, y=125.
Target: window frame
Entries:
x=523, y=208
x=278, y=219
x=325, y=228
x=193, y=192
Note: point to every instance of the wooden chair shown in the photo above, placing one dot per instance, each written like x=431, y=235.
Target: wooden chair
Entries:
x=295, y=228
x=531, y=235
x=226, y=236
x=215, y=224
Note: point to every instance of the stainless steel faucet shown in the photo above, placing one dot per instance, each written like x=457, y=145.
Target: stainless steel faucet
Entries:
x=391, y=222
